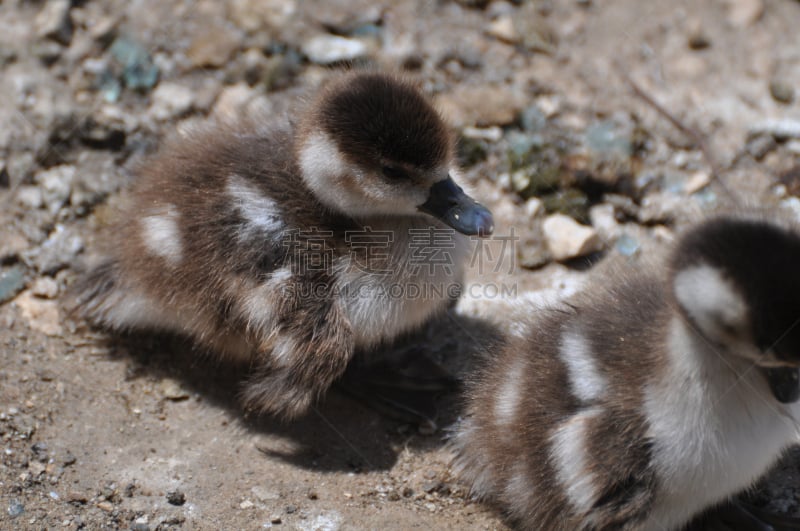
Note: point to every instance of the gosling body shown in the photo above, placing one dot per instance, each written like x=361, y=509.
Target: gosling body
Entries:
x=650, y=398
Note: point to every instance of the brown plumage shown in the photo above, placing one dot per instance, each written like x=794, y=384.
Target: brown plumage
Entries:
x=650, y=397
x=243, y=237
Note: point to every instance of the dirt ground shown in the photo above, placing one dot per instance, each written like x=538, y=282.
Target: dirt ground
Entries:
x=144, y=432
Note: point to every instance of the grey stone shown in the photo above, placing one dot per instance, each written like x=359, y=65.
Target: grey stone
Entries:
x=264, y=494
x=627, y=245
x=96, y=176
x=759, y=145
x=607, y=138
x=139, y=72
x=15, y=509
x=57, y=252
x=56, y=185
x=533, y=254
x=12, y=281
x=532, y=119
x=660, y=208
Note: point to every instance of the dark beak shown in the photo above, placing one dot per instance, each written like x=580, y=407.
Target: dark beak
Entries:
x=784, y=382
x=448, y=203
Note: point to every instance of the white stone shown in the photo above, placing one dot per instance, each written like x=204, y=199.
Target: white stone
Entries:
x=778, y=127
x=232, y=102
x=503, y=28
x=604, y=221
x=171, y=100
x=41, y=315
x=29, y=197
x=697, y=182
x=743, y=13
x=56, y=185
x=327, y=49
x=45, y=287
x=490, y=134
x=533, y=207
x=566, y=238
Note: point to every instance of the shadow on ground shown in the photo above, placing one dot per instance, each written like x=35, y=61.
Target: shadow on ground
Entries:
x=341, y=433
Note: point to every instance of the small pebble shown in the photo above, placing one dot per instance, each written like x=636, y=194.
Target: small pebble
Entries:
x=247, y=504
x=15, y=509
x=29, y=197
x=139, y=71
x=56, y=184
x=41, y=315
x=697, y=182
x=172, y=390
x=698, y=39
x=781, y=91
x=45, y=287
x=76, y=497
x=503, y=28
x=758, y=146
x=264, y=494
x=176, y=497
x=566, y=238
x=170, y=101
x=431, y=486
x=328, y=49
x=12, y=281
x=627, y=245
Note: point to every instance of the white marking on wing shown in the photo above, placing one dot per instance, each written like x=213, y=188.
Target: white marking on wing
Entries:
x=571, y=459
x=586, y=381
x=161, y=235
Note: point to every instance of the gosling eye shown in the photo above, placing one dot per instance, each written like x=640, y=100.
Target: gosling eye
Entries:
x=394, y=173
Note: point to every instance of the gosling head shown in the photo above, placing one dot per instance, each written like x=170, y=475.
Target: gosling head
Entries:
x=736, y=280
x=372, y=145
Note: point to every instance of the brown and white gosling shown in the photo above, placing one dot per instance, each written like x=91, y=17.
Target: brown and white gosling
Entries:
x=291, y=247
x=649, y=398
